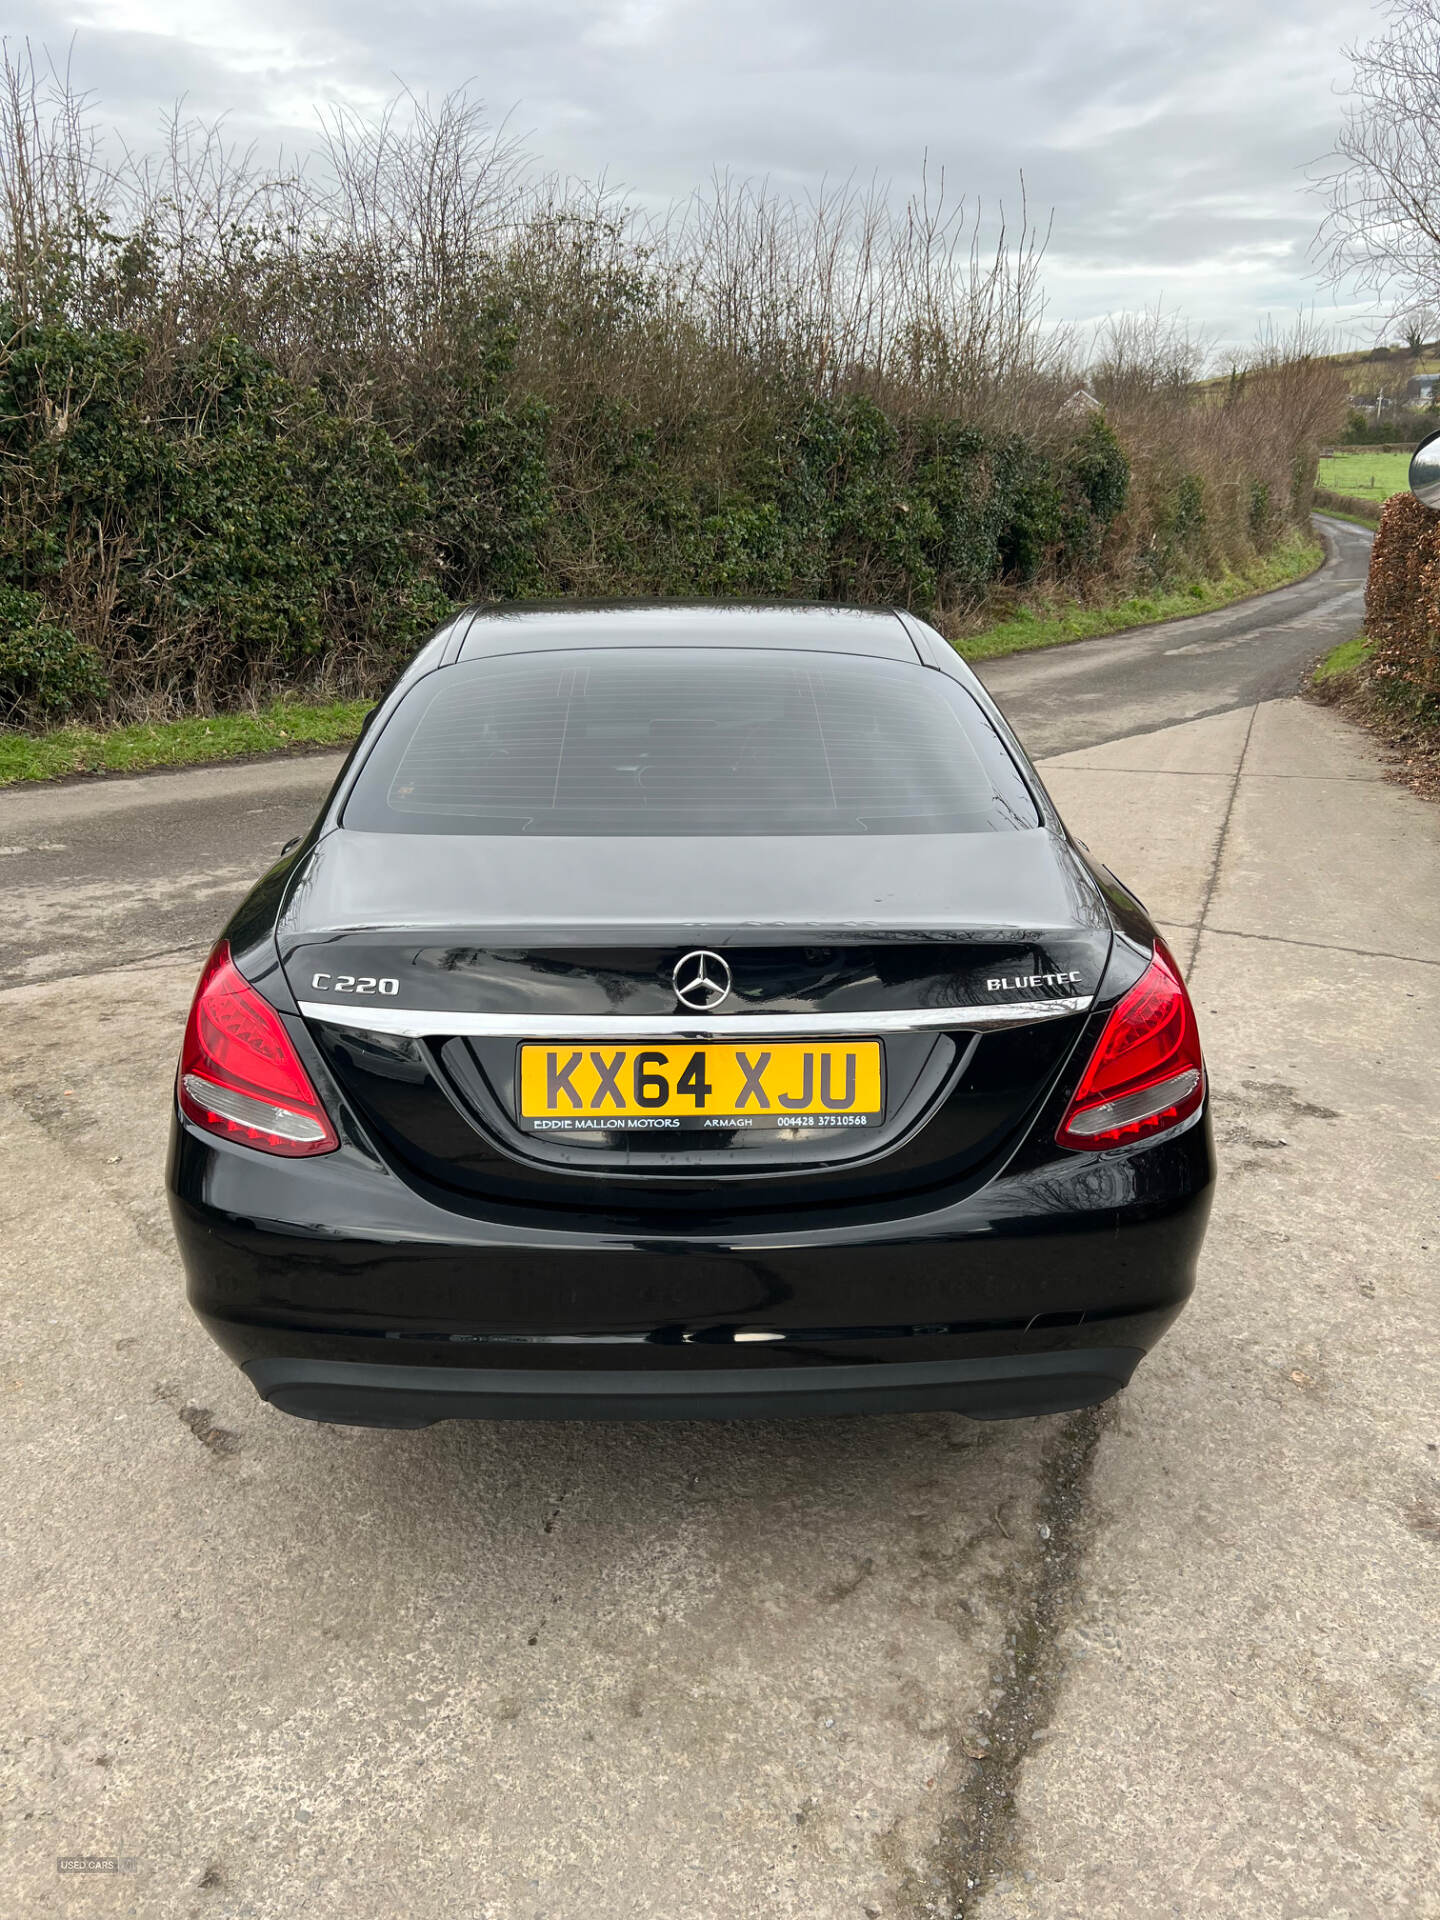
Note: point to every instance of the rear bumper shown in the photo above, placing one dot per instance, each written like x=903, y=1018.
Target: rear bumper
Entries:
x=346, y=1295
x=1007, y=1387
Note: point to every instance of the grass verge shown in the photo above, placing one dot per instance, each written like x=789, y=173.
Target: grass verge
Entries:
x=1341, y=681
x=1348, y=506
x=1355, y=519
x=280, y=727
x=1289, y=561
x=1345, y=658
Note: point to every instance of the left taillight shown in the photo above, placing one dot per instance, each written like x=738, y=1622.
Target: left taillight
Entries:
x=240, y=1077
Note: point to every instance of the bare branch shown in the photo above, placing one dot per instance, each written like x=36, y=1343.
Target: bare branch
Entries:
x=1382, y=182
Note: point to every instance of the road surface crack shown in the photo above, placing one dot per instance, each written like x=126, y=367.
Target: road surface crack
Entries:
x=978, y=1837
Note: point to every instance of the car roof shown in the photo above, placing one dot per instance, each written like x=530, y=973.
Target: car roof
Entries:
x=551, y=626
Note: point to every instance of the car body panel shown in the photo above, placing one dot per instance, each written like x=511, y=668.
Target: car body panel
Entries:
x=1018, y=885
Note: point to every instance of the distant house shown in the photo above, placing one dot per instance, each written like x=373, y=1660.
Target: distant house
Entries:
x=1423, y=390
x=1080, y=402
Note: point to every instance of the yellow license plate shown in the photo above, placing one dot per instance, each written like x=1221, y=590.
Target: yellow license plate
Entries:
x=573, y=1087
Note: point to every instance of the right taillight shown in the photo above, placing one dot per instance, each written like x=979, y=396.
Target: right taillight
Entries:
x=239, y=1075
x=1147, y=1072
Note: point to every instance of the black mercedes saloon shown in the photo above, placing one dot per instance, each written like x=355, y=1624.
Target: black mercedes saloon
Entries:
x=688, y=1010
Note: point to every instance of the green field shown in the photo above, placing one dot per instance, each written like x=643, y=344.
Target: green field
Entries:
x=1364, y=473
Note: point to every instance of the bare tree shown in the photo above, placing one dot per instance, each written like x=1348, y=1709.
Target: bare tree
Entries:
x=1383, y=181
x=1418, y=327
x=55, y=191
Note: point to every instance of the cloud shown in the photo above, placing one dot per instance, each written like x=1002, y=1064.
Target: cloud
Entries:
x=1171, y=143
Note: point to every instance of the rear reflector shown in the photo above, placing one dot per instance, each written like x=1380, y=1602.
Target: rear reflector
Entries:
x=1147, y=1072
x=240, y=1077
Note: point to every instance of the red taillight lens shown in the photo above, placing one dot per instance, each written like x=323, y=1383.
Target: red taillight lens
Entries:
x=239, y=1075
x=1147, y=1072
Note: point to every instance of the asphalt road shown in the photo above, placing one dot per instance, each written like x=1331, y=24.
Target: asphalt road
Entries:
x=1176, y=1657
x=1097, y=690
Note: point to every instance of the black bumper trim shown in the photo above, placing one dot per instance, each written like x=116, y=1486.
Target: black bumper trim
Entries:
x=1003, y=1387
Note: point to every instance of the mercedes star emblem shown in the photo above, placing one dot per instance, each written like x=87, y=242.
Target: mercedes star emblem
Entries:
x=702, y=980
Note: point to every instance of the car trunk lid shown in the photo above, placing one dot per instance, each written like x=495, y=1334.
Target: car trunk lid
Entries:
x=970, y=960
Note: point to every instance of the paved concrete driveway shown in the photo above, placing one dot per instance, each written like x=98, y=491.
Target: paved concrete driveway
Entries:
x=1178, y=1657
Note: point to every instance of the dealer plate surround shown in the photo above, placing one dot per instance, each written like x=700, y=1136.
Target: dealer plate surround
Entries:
x=683, y=1086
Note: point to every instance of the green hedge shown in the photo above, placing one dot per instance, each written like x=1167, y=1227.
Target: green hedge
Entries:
x=193, y=528
x=1354, y=505
x=44, y=670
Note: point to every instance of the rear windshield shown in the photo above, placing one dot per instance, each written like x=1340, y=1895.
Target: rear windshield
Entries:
x=676, y=741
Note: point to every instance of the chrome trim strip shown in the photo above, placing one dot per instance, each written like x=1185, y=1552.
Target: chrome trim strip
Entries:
x=366, y=1017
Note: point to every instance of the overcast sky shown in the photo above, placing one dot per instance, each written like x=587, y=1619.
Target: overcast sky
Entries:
x=1170, y=139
